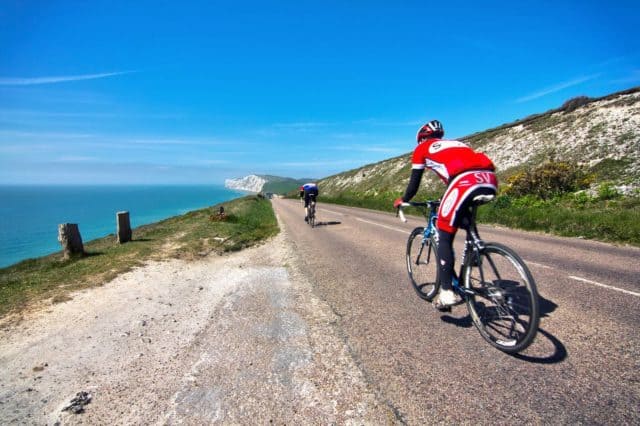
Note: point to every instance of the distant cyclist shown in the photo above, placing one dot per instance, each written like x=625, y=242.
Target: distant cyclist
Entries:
x=307, y=191
x=466, y=173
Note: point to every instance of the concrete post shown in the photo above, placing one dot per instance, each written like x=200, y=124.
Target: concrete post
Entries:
x=124, y=227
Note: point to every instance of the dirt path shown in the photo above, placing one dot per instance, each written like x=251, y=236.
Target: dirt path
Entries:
x=233, y=339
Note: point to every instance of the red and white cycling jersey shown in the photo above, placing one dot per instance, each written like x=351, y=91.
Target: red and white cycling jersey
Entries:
x=449, y=158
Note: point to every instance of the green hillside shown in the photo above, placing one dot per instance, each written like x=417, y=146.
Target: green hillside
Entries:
x=282, y=185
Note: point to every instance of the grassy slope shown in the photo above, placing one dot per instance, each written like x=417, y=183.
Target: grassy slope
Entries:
x=282, y=185
x=193, y=235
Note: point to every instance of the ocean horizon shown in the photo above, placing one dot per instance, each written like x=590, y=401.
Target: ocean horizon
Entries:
x=31, y=213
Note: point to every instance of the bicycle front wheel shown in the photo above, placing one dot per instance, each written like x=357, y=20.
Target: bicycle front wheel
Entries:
x=502, y=298
x=422, y=264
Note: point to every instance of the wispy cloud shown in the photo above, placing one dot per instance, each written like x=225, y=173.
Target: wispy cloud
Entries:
x=389, y=123
x=301, y=125
x=315, y=163
x=557, y=88
x=161, y=141
x=100, y=140
x=76, y=159
x=210, y=162
x=633, y=77
x=19, y=113
x=367, y=148
x=16, y=134
x=30, y=81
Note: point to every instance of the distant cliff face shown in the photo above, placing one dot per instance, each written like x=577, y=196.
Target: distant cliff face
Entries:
x=251, y=183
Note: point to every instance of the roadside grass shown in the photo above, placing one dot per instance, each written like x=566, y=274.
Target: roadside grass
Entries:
x=608, y=220
x=572, y=215
x=382, y=201
x=193, y=235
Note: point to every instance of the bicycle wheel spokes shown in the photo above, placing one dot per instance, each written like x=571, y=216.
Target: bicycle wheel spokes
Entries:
x=504, y=300
x=422, y=264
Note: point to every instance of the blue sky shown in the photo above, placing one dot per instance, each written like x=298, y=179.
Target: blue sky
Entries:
x=196, y=92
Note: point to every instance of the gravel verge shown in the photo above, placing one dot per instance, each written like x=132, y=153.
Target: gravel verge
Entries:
x=239, y=338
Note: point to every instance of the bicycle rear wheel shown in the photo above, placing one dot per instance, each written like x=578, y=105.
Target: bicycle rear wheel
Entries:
x=312, y=215
x=503, y=301
x=422, y=264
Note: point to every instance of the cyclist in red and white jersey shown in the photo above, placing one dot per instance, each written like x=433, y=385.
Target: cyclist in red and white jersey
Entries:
x=467, y=174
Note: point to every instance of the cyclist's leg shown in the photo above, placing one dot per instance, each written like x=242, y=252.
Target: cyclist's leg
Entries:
x=306, y=205
x=445, y=254
x=446, y=297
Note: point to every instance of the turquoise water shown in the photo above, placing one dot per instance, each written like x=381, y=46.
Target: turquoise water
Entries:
x=29, y=215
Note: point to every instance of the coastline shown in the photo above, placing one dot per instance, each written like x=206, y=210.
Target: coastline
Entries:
x=32, y=212
x=51, y=279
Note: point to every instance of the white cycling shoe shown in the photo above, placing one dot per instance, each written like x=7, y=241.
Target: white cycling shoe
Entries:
x=445, y=300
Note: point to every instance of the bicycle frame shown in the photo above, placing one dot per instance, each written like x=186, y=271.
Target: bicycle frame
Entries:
x=473, y=242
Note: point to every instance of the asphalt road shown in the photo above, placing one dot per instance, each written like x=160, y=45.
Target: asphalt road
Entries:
x=429, y=367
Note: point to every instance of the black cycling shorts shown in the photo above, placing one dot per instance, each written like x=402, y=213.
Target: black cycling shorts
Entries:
x=308, y=194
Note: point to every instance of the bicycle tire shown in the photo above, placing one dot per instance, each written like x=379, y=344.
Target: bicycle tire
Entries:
x=312, y=215
x=503, y=298
x=422, y=264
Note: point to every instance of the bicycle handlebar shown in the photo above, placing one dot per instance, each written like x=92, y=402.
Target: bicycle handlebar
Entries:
x=430, y=204
x=401, y=213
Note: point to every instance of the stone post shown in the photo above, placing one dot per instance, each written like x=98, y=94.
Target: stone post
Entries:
x=70, y=239
x=124, y=227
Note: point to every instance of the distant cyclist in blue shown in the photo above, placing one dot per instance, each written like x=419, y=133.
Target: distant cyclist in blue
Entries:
x=307, y=191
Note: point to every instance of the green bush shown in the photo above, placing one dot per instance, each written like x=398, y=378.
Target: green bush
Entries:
x=551, y=179
x=606, y=191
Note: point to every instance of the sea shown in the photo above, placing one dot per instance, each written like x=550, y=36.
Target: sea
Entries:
x=29, y=215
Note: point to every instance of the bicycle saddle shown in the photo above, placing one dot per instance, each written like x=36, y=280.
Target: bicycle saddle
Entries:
x=483, y=199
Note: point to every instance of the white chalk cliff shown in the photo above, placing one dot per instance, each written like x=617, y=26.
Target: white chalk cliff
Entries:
x=251, y=183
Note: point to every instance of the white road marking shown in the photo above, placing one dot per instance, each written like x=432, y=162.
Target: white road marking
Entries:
x=331, y=211
x=584, y=280
x=404, y=231
x=528, y=262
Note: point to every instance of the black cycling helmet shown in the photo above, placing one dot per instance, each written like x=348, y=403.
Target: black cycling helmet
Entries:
x=432, y=129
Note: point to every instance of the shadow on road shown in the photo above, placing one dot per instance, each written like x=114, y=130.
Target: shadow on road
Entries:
x=546, y=306
x=559, y=354
x=559, y=350
x=327, y=223
x=464, y=322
